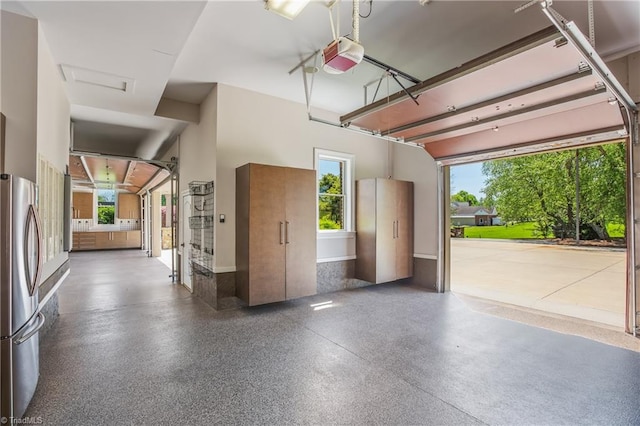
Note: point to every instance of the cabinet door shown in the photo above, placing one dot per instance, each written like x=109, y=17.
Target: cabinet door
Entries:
x=123, y=206
x=385, y=230
x=366, y=227
x=83, y=205
x=128, y=206
x=300, y=233
x=134, y=239
x=266, y=234
x=103, y=240
x=119, y=239
x=404, y=229
x=135, y=206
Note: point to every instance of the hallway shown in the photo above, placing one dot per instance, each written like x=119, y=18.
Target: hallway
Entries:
x=131, y=348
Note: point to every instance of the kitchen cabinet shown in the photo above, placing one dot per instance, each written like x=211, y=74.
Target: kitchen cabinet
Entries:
x=106, y=240
x=103, y=240
x=128, y=206
x=275, y=233
x=83, y=241
x=384, y=225
x=134, y=239
x=83, y=205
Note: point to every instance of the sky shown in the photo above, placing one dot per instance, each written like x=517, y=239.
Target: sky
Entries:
x=469, y=178
x=329, y=167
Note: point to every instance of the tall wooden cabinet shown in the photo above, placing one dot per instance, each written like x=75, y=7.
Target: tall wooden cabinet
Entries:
x=275, y=233
x=384, y=224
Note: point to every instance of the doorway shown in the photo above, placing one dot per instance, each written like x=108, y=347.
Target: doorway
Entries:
x=112, y=204
x=544, y=232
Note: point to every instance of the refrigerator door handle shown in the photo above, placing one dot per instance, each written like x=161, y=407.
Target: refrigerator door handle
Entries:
x=29, y=334
x=32, y=217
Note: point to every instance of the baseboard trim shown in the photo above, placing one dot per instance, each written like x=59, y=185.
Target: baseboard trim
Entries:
x=335, y=259
x=425, y=256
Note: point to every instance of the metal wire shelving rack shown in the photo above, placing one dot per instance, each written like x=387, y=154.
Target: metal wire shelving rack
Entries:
x=202, y=229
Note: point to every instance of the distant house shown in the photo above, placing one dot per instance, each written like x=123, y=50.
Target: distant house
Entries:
x=462, y=214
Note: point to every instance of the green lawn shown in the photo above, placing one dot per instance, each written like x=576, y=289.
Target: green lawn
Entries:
x=523, y=231
x=615, y=230
x=512, y=232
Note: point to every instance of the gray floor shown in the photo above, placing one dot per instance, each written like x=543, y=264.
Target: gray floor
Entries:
x=129, y=348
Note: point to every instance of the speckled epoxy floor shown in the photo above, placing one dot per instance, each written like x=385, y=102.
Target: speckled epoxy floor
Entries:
x=130, y=348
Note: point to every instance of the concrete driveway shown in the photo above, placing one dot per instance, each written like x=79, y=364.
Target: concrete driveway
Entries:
x=587, y=283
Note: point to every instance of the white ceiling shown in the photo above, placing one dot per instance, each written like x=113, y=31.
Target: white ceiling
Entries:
x=182, y=48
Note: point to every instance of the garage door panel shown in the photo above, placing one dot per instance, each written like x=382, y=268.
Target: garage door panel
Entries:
x=511, y=105
x=507, y=76
x=585, y=119
x=543, y=89
x=546, y=122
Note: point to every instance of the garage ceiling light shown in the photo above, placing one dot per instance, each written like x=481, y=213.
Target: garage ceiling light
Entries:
x=287, y=8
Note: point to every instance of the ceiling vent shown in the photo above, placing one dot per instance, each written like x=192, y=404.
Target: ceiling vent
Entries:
x=77, y=75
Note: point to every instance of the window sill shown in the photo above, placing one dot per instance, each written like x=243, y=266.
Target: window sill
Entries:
x=326, y=235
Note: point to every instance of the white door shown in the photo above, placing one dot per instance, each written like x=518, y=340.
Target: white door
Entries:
x=184, y=247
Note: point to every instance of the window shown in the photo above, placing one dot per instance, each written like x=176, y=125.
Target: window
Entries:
x=334, y=171
x=106, y=206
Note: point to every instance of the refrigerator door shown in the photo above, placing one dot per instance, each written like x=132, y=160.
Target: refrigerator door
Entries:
x=20, y=265
x=20, y=256
x=19, y=368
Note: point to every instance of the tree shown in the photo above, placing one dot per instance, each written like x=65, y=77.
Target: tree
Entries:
x=331, y=202
x=542, y=188
x=106, y=215
x=464, y=196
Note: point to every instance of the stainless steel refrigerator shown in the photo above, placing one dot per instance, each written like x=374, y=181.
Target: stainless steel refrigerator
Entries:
x=20, y=267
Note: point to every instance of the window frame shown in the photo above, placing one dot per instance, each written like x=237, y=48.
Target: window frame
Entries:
x=348, y=186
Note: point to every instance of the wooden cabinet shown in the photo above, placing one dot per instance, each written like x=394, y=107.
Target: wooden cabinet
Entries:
x=84, y=241
x=128, y=206
x=275, y=233
x=103, y=240
x=384, y=224
x=82, y=205
x=134, y=239
x=106, y=240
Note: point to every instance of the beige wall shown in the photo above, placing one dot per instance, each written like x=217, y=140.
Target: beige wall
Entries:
x=416, y=165
x=196, y=147
x=36, y=108
x=18, y=77
x=54, y=110
x=238, y=126
x=53, y=136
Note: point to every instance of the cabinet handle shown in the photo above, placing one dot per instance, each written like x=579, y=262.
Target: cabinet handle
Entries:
x=287, y=232
x=397, y=228
x=281, y=232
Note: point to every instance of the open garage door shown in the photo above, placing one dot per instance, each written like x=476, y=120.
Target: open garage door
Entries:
x=545, y=92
